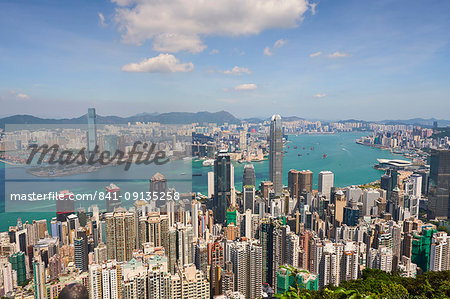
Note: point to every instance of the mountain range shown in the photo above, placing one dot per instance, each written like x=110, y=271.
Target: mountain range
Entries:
x=202, y=117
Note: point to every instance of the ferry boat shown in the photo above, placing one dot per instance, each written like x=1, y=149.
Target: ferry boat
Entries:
x=209, y=162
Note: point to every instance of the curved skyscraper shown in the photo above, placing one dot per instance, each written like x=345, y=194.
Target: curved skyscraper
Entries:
x=276, y=154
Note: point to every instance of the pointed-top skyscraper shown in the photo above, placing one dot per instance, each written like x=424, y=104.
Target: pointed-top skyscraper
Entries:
x=276, y=154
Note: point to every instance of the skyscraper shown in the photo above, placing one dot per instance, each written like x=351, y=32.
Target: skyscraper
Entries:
x=249, y=175
x=305, y=181
x=293, y=183
x=326, y=181
x=92, y=131
x=276, y=154
x=438, y=204
x=81, y=250
x=210, y=184
x=222, y=185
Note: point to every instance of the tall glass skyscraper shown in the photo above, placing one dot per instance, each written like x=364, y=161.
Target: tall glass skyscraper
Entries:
x=276, y=154
x=438, y=203
x=92, y=131
x=222, y=185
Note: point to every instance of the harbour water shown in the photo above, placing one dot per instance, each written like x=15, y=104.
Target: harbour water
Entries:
x=351, y=163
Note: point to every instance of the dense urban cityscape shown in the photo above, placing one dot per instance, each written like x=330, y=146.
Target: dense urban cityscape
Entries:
x=229, y=243
x=224, y=149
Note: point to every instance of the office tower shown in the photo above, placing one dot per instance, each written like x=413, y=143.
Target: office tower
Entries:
x=351, y=216
x=92, y=131
x=353, y=195
x=17, y=261
x=305, y=181
x=222, y=186
x=370, y=196
x=81, y=250
x=326, y=181
x=249, y=178
x=39, y=280
x=249, y=198
x=120, y=235
x=113, y=198
x=439, y=190
x=293, y=183
x=82, y=216
x=440, y=252
x=65, y=205
x=276, y=154
x=413, y=185
x=425, y=180
x=73, y=222
x=210, y=184
x=266, y=187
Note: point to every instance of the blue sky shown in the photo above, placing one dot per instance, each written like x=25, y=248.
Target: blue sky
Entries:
x=323, y=59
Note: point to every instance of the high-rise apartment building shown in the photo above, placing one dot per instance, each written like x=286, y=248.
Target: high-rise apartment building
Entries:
x=120, y=235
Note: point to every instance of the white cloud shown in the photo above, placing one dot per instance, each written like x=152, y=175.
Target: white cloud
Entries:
x=267, y=51
x=191, y=20
x=163, y=63
x=248, y=86
x=319, y=95
x=173, y=42
x=101, y=19
x=337, y=55
x=278, y=44
x=237, y=71
x=315, y=54
x=214, y=51
x=313, y=8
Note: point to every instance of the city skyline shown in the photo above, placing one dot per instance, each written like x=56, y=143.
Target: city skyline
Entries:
x=325, y=60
